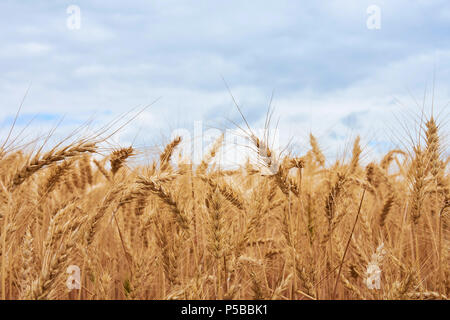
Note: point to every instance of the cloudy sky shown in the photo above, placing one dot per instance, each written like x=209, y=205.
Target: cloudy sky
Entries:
x=330, y=74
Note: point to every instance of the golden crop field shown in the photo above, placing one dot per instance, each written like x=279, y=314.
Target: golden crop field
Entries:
x=291, y=227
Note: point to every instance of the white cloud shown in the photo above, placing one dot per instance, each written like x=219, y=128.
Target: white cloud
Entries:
x=25, y=49
x=329, y=72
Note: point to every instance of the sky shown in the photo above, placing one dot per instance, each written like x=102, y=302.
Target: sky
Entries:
x=333, y=68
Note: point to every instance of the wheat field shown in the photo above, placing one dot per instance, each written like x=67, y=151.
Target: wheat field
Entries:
x=310, y=229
